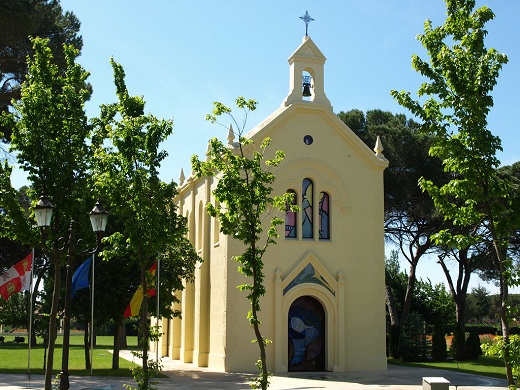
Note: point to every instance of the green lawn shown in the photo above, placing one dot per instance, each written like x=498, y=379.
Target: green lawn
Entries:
x=14, y=357
x=484, y=365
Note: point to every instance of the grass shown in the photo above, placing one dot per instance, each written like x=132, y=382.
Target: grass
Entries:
x=484, y=365
x=14, y=357
x=13, y=360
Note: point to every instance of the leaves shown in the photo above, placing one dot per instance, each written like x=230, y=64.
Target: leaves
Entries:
x=245, y=205
x=455, y=102
x=126, y=159
x=127, y=169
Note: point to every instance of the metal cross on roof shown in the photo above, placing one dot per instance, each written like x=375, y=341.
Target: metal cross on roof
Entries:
x=307, y=19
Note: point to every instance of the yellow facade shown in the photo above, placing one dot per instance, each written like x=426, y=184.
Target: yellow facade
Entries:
x=339, y=277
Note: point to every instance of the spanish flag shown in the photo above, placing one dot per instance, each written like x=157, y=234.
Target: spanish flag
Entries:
x=134, y=307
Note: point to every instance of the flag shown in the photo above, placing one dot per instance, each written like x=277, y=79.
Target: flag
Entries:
x=80, y=277
x=17, y=278
x=134, y=306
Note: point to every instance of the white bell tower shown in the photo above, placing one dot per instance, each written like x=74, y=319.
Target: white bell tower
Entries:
x=307, y=60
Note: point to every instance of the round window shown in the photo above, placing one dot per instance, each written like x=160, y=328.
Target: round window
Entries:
x=308, y=140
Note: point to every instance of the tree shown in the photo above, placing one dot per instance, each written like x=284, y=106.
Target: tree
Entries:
x=413, y=345
x=20, y=20
x=489, y=269
x=395, y=288
x=462, y=73
x=479, y=304
x=127, y=173
x=49, y=132
x=244, y=197
x=431, y=303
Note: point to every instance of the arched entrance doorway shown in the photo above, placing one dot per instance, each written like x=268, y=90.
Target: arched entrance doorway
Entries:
x=306, y=337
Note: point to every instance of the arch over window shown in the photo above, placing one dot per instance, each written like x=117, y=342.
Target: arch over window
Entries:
x=291, y=217
x=307, y=208
x=324, y=216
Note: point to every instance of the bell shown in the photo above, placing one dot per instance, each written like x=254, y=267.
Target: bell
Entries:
x=306, y=90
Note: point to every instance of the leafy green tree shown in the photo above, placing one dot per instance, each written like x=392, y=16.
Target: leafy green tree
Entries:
x=244, y=197
x=15, y=228
x=433, y=301
x=49, y=133
x=479, y=304
x=413, y=345
x=14, y=313
x=489, y=269
x=127, y=173
x=430, y=302
x=20, y=20
x=462, y=73
x=498, y=348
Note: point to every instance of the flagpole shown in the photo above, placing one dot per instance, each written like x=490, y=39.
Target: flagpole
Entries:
x=157, y=309
x=92, y=317
x=30, y=315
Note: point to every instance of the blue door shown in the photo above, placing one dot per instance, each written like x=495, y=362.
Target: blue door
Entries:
x=306, y=335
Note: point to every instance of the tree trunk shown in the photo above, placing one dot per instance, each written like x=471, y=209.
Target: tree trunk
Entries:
x=119, y=341
x=407, y=304
x=115, y=355
x=460, y=327
x=255, y=303
x=390, y=304
x=122, y=334
x=264, y=379
x=504, y=297
x=395, y=329
x=504, y=322
x=413, y=260
x=52, y=325
x=459, y=294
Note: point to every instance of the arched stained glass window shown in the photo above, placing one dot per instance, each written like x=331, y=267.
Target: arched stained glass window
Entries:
x=324, y=216
x=291, y=218
x=307, y=197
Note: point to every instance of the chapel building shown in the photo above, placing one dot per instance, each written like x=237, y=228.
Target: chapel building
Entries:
x=324, y=308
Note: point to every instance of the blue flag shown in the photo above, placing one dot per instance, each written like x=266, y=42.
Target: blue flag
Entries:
x=80, y=277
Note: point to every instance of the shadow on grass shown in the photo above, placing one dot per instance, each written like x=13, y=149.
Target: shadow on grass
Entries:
x=492, y=367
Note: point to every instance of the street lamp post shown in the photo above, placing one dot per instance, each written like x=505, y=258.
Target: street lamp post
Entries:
x=98, y=218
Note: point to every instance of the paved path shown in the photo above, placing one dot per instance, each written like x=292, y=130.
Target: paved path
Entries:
x=186, y=376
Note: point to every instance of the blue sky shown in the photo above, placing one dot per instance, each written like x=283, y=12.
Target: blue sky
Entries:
x=183, y=55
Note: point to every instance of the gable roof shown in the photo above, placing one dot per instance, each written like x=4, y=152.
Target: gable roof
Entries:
x=268, y=127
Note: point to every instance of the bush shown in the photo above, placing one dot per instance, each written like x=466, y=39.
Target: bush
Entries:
x=458, y=347
x=482, y=329
x=439, y=348
x=514, y=330
x=412, y=342
x=473, y=350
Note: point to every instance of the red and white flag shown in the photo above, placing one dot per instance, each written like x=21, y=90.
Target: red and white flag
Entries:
x=17, y=278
